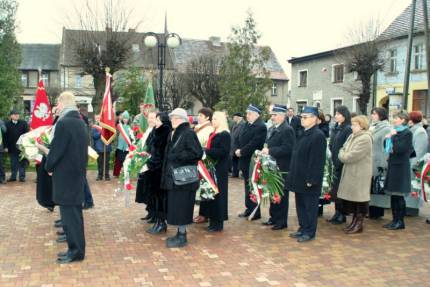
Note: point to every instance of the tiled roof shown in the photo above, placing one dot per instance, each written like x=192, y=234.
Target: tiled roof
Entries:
x=147, y=57
x=43, y=56
x=401, y=25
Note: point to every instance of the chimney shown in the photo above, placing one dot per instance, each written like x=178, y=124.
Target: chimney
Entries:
x=216, y=41
x=108, y=29
x=130, y=30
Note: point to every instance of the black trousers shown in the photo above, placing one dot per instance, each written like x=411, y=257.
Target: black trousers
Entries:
x=307, y=212
x=249, y=204
x=17, y=166
x=2, y=173
x=234, y=166
x=73, y=225
x=100, y=160
x=279, y=212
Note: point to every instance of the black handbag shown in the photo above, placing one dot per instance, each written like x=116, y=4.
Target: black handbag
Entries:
x=186, y=174
x=378, y=182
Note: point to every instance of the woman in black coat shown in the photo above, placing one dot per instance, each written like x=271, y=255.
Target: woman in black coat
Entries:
x=339, y=136
x=183, y=149
x=152, y=177
x=398, y=146
x=218, y=149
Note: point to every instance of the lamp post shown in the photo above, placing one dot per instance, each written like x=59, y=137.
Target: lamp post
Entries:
x=162, y=41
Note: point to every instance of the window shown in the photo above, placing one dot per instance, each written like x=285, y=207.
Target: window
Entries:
x=33, y=78
x=78, y=81
x=274, y=89
x=303, y=78
x=356, y=105
x=334, y=104
x=45, y=78
x=135, y=48
x=24, y=79
x=337, y=73
x=392, y=60
x=300, y=106
x=419, y=57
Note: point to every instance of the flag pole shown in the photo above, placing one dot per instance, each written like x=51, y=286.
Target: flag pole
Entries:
x=104, y=161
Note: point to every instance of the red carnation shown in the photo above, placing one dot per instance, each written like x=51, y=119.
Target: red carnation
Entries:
x=130, y=155
x=39, y=140
x=253, y=198
x=135, y=128
x=132, y=148
x=276, y=198
x=128, y=186
x=327, y=196
x=139, y=136
x=414, y=194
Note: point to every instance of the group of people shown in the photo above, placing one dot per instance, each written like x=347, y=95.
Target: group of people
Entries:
x=361, y=152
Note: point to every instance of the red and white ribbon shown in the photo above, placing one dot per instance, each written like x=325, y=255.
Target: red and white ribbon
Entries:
x=124, y=134
x=425, y=170
x=204, y=173
x=255, y=189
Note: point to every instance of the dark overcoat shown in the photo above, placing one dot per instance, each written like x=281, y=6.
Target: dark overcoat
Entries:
x=44, y=186
x=398, y=177
x=251, y=138
x=338, y=138
x=13, y=132
x=217, y=209
x=183, y=148
x=281, y=143
x=307, y=162
x=150, y=181
x=67, y=160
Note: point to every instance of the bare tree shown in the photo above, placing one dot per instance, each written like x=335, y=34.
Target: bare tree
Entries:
x=176, y=91
x=364, y=59
x=104, y=40
x=202, y=79
x=52, y=92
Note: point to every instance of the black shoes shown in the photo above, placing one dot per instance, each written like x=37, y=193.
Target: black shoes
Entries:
x=256, y=217
x=69, y=259
x=338, y=218
x=388, y=225
x=268, y=222
x=428, y=220
x=296, y=234
x=61, y=239
x=244, y=214
x=179, y=240
x=158, y=227
x=58, y=224
x=107, y=178
x=11, y=179
x=99, y=178
x=22, y=180
x=279, y=227
x=60, y=232
x=400, y=224
x=305, y=238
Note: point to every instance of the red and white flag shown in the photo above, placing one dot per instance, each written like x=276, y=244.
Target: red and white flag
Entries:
x=41, y=115
x=107, y=119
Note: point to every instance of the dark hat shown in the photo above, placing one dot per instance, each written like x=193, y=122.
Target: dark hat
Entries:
x=278, y=109
x=14, y=112
x=252, y=108
x=310, y=110
x=238, y=115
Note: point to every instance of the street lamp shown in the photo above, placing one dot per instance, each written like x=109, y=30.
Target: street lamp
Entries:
x=162, y=41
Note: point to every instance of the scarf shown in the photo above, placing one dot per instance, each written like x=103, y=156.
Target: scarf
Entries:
x=63, y=112
x=389, y=141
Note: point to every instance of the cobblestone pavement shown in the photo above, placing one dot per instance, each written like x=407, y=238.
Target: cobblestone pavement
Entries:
x=121, y=253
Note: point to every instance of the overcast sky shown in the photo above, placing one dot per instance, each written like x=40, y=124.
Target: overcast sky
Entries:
x=291, y=27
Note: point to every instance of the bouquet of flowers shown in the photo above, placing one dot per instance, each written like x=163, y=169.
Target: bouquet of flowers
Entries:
x=208, y=182
x=27, y=143
x=327, y=180
x=420, y=182
x=267, y=182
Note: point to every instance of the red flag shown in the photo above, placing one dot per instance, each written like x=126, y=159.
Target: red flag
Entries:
x=41, y=115
x=107, y=119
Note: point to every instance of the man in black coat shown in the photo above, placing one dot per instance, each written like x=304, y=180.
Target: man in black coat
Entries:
x=235, y=132
x=306, y=174
x=339, y=136
x=294, y=121
x=14, y=129
x=251, y=138
x=2, y=144
x=280, y=143
x=67, y=162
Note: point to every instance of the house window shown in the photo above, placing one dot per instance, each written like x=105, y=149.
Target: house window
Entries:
x=78, y=81
x=33, y=78
x=45, y=78
x=24, y=79
x=303, y=78
x=335, y=103
x=419, y=57
x=300, y=106
x=274, y=89
x=338, y=73
x=135, y=48
x=392, y=59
